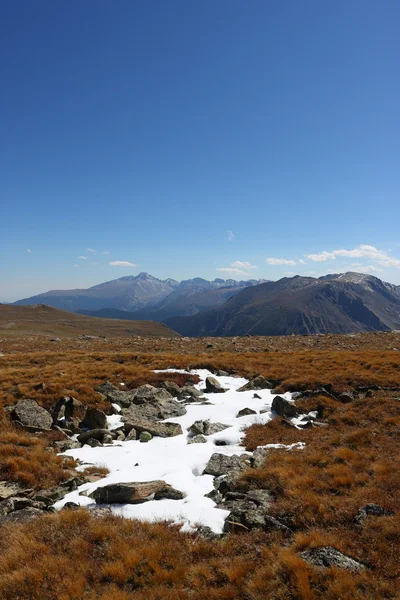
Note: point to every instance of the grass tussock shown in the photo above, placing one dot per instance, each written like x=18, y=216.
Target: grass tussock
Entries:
x=30, y=461
x=317, y=490
x=73, y=555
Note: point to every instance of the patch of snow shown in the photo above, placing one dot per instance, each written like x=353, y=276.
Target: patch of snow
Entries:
x=114, y=421
x=173, y=460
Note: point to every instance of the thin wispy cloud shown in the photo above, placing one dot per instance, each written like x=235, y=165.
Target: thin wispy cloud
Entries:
x=280, y=261
x=76, y=266
x=82, y=257
x=122, y=263
x=28, y=250
x=232, y=271
x=302, y=262
x=369, y=269
x=361, y=251
x=105, y=252
x=91, y=250
x=230, y=235
x=242, y=264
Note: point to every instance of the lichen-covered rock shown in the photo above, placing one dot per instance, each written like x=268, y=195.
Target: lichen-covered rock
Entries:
x=206, y=428
x=327, y=556
x=155, y=428
x=197, y=439
x=220, y=464
x=32, y=416
x=145, y=437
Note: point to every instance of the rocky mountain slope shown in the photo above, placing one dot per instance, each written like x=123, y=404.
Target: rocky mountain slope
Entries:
x=139, y=292
x=345, y=303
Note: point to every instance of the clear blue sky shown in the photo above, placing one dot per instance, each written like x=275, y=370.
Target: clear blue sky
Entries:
x=185, y=136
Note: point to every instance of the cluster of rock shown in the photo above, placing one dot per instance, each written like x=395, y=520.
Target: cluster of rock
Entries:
x=247, y=510
x=19, y=504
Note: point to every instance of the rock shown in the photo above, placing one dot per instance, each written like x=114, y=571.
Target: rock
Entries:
x=107, y=439
x=32, y=417
x=168, y=493
x=256, y=396
x=113, y=394
x=128, y=493
x=171, y=387
x=213, y=386
x=95, y=419
x=159, y=405
x=96, y=434
x=189, y=392
x=48, y=497
x=220, y=464
x=283, y=407
x=155, y=429
x=373, y=510
x=272, y=524
x=346, y=397
x=221, y=373
x=93, y=443
x=206, y=428
x=327, y=556
x=10, y=488
x=258, y=383
x=21, y=516
x=197, y=439
x=74, y=412
x=260, y=497
x=70, y=506
x=244, y=412
x=145, y=437
x=65, y=445
x=132, y=435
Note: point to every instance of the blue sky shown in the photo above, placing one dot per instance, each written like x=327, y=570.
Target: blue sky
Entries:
x=188, y=137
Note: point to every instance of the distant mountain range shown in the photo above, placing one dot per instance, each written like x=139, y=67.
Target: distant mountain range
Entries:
x=154, y=299
x=345, y=303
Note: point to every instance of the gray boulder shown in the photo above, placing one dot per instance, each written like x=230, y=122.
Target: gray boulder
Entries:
x=244, y=412
x=131, y=493
x=95, y=419
x=32, y=416
x=283, y=407
x=197, y=439
x=213, y=386
x=373, y=510
x=327, y=556
x=21, y=516
x=74, y=412
x=96, y=434
x=156, y=429
x=206, y=428
x=220, y=464
x=258, y=383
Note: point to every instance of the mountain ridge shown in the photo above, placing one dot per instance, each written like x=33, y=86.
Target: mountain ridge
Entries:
x=338, y=303
x=129, y=293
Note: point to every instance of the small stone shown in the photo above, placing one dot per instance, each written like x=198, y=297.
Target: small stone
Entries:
x=197, y=439
x=145, y=437
x=244, y=412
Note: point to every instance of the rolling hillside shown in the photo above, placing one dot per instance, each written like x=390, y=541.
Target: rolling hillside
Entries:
x=20, y=321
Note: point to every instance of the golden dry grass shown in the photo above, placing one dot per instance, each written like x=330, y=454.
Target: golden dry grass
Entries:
x=317, y=490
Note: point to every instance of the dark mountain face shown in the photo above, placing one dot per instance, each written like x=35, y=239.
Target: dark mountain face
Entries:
x=140, y=292
x=346, y=303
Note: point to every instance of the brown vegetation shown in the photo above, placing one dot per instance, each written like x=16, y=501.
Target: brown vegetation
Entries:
x=317, y=490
